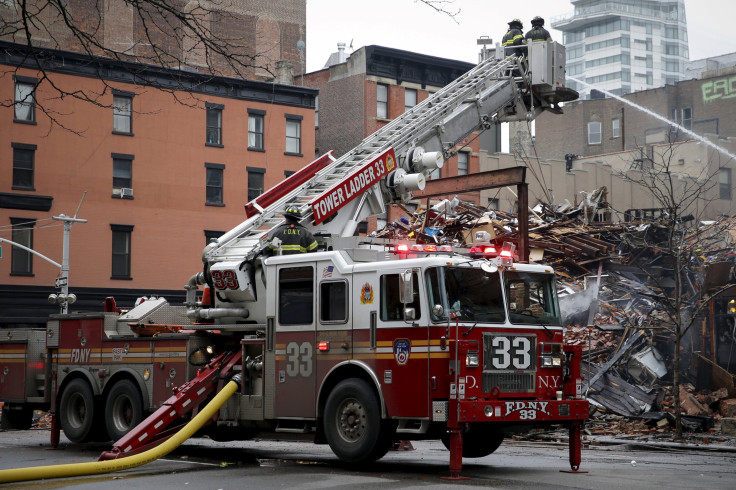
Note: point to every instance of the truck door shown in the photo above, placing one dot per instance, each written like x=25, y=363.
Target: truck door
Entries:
x=295, y=384
x=334, y=322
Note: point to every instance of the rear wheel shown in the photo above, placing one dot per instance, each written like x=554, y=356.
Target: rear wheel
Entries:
x=77, y=410
x=481, y=440
x=352, y=423
x=123, y=409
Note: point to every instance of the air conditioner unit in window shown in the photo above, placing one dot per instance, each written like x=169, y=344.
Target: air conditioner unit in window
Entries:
x=126, y=191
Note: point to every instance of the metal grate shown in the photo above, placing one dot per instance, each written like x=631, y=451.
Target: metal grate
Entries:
x=509, y=382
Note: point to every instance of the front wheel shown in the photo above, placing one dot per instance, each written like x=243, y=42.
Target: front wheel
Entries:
x=77, y=410
x=352, y=423
x=123, y=409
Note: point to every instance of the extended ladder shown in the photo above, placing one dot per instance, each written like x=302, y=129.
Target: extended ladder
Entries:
x=463, y=97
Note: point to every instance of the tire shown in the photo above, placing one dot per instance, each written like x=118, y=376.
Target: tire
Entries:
x=123, y=409
x=480, y=441
x=16, y=419
x=352, y=423
x=77, y=411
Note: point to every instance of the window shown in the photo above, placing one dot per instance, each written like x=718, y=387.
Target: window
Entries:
x=293, y=134
x=23, y=166
x=435, y=174
x=687, y=118
x=214, y=184
x=316, y=111
x=616, y=128
x=724, y=183
x=214, y=124
x=122, y=112
x=255, y=129
x=594, y=133
x=21, y=260
x=255, y=182
x=333, y=300
x=382, y=101
x=122, y=175
x=296, y=288
x=25, y=99
x=391, y=308
x=211, y=235
x=462, y=163
x=492, y=204
x=410, y=98
x=121, y=235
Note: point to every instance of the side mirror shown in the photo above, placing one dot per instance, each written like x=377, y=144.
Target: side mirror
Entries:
x=406, y=287
x=410, y=314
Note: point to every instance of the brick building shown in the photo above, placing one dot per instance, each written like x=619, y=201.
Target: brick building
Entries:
x=361, y=93
x=163, y=171
x=256, y=34
x=594, y=127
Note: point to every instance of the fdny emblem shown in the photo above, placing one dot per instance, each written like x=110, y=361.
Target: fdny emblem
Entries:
x=402, y=349
x=366, y=294
x=390, y=163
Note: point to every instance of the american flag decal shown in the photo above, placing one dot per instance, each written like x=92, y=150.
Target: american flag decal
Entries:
x=327, y=271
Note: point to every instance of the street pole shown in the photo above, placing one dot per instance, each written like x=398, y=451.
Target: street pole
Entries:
x=63, y=281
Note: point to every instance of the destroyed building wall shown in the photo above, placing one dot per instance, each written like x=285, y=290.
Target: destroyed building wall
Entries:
x=704, y=106
x=694, y=164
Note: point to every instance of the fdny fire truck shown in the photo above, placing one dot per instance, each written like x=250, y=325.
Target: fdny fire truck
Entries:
x=361, y=343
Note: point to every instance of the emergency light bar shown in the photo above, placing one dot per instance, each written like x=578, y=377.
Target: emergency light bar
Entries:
x=405, y=248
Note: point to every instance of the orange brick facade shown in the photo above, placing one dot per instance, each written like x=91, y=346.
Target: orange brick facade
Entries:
x=168, y=214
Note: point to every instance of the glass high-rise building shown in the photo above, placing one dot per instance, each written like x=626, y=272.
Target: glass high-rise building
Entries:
x=624, y=46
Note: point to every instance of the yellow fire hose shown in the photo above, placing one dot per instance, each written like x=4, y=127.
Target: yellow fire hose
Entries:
x=99, y=467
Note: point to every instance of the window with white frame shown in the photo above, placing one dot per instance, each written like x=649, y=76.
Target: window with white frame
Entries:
x=616, y=128
x=594, y=133
x=382, y=101
x=122, y=112
x=724, y=183
x=410, y=98
x=25, y=99
x=687, y=118
x=293, y=134
x=462, y=162
x=255, y=129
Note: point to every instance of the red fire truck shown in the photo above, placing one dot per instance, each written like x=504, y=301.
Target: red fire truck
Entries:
x=361, y=343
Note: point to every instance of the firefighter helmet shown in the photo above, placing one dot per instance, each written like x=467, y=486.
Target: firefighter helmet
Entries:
x=537, y=21
x=516, y=23
x=293, y=212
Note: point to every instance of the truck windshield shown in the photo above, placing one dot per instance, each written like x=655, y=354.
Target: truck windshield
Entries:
x=532, y=298
x=466, y=293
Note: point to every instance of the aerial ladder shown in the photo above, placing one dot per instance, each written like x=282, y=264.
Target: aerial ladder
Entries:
x=407, y=150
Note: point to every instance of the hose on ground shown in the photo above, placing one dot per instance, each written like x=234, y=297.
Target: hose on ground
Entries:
x=100, y=467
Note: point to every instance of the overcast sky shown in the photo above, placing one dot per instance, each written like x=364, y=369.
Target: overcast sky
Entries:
x=412, y=26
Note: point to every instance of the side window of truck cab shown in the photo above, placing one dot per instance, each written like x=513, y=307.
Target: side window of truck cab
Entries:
x=296, y=295
x=391, y=307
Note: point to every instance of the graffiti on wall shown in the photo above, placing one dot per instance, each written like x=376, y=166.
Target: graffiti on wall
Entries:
x=724, y=88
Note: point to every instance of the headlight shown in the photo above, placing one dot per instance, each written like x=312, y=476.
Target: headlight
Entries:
x=471, y=360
